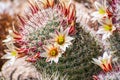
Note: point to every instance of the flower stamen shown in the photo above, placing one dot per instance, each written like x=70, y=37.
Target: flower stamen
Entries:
x=14, y=53
x=107, y=27
x=102, y=11
x=53, y=52
x=61, y=40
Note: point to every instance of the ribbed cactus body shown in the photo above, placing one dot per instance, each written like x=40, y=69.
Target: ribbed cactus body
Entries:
x=76, y=62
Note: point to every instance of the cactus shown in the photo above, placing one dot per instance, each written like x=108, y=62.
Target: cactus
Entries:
x=114, y=75
x=115, y=43
x=55, y=76
x=43, y=26
x=35, y=31
x=77, y=61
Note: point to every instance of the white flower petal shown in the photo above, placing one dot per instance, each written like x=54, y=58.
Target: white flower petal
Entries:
x=56, y=60
x=10, y=32
x=7, y=56
x=9, y=63
x=113, y=28
x=10, y=46
x=105, y=55
x=61, y=29
x=96, y=61
x=63, y=48
x=60, y=54
x=95, y=14
x=67, y=44
x=105, y=36
x=100, y=58
x=12, y=61
x=97, y=5
x=104, y=4
x=8, y=39
x=68, y=39
x=101, y=31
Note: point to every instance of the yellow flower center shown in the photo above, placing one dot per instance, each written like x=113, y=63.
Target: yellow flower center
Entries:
x=61, y=40
x=104, y=61
x=101, y=11
x=107, y=27
x=53, y=52
x=14, y=53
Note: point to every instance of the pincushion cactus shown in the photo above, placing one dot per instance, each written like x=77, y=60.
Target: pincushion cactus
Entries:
x=76, y=63
x=47, y=31
x=34, y=36
x=36, y=29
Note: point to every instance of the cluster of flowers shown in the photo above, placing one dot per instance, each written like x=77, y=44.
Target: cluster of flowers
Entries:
x=44, y=31
x=106, y=16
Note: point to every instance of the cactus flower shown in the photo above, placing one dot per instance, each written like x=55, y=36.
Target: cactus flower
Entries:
x=104, y=62
x=106, y=29
x=102, y=11
x=11, y=55
x=62, y=39
x=52, y=52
